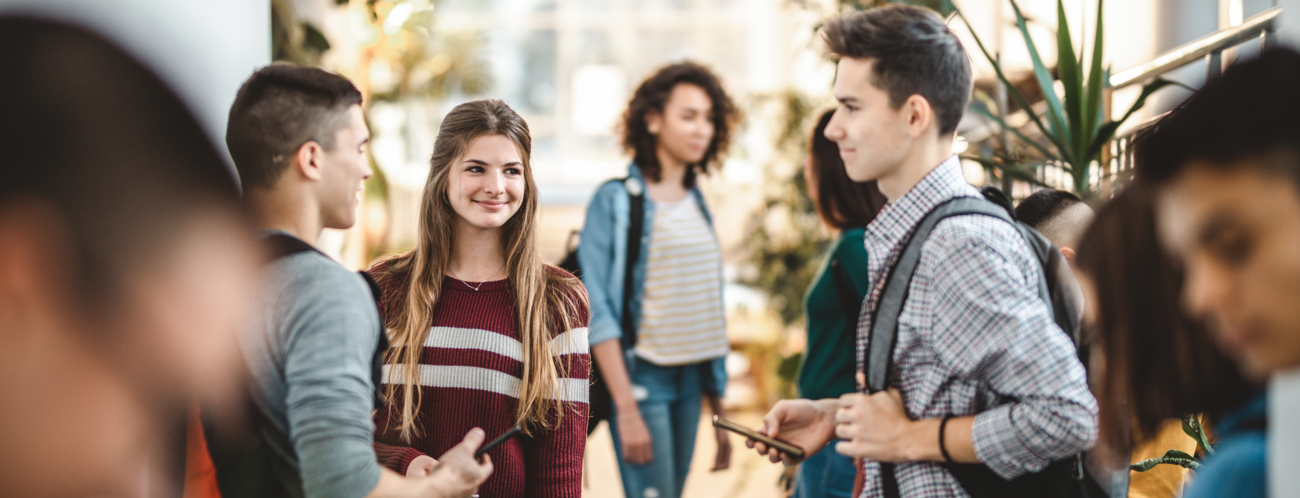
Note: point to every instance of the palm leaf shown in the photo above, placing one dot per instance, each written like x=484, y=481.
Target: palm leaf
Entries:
x=1055, y=111
x=1068, y=69
x=1032, y=143
x=1092, y=111
x=1107, y=131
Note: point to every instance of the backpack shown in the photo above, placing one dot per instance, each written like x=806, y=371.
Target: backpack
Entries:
x=1062, y=478
x=601, y=403
x=257, y=460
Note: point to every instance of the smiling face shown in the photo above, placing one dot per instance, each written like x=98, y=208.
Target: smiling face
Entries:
x=873, y=136
x=486, y=184
x=343, y=171
x=1238, y=231
x=685, y=128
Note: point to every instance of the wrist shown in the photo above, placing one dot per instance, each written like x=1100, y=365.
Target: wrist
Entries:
x=922, y=443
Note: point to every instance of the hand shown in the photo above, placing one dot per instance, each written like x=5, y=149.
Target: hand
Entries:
x=421, y=466
x=635, y=436
x=723, y=460
x=457, y=472
x=876, y=426
x=804, y=423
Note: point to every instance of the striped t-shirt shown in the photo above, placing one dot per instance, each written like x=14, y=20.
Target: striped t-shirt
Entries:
x=469, y=377
x=682, y=319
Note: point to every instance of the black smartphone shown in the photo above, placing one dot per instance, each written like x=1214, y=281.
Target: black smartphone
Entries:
x=780, y=445
x=482, y=450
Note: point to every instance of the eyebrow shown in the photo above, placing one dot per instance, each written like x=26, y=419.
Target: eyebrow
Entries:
x=846, y=99
x=1214, y=227
x=485, y=163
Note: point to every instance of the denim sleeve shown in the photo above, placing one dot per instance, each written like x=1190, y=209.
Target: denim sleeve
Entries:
x=596, y=257
x=333, y=328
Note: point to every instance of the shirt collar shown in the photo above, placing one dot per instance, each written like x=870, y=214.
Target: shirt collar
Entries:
x=898, y=217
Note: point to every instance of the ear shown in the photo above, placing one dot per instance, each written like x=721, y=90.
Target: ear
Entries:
x=33, y=282
x=654, y=121
x=307, y=162
x=919, y=115
x=1068, y=254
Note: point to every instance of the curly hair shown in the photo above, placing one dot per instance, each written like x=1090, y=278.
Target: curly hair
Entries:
x=653, y=95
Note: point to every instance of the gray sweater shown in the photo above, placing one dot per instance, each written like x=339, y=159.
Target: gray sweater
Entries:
x=310, y=350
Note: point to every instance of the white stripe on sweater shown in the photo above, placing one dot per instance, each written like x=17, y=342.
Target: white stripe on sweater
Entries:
x=571, y=342
x=484, y=379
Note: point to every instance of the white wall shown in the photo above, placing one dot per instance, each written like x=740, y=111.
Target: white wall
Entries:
x=203, y=48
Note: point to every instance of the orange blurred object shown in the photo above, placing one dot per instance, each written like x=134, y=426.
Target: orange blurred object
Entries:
x=200, y=474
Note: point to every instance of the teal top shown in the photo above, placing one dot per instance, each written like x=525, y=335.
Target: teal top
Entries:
x=829, y=362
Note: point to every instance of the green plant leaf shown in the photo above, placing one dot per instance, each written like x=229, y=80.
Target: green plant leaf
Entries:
x=1171, y=457
x=1032, y=143
x=1020, y=171
x=1192, y=426
x=1011, y=89
x=1107, y=130
x=1067, y=66
x=1097, y=80
x=1055, y=111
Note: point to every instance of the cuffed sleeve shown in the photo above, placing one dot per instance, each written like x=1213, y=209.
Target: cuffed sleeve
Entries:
x=396, y=458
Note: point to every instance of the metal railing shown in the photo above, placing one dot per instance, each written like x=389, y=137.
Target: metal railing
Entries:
x=1117, y=158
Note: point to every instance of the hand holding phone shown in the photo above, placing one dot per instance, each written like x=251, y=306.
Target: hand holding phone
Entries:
x=514, y=431
x=782, y=446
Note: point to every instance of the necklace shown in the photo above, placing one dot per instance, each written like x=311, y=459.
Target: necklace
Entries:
x=475, y=288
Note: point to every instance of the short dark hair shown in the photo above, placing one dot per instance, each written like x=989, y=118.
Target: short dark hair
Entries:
x=1249, y=112
x=914, y=53
x=841, y=202
x=1160, y=362
x=1044, y=204
x=278, y=109
x=653, y=95
x=105, y=143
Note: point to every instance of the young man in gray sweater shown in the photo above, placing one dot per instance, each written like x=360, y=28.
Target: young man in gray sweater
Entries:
x=298, y=136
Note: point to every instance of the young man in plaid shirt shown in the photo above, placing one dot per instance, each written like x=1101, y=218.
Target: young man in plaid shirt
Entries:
x=977, y=350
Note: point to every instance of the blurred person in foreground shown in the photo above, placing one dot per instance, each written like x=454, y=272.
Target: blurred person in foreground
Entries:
x=663, y=353
x=298, y=138
x=832, y=302
x=1151, y=362
x=1226, y=168
x=985, y=381
x=124, y=269
x=485, y=334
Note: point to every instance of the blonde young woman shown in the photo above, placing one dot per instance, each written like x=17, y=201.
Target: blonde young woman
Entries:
x=484, y=333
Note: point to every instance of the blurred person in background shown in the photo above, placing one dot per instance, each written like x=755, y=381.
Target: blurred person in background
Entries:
x=1151, y=362
x=298, y=138
x=485, y=334
x=832, y=303
x=124, y=269
x=1058, y=215
x=665, y=353
x=1226, y=166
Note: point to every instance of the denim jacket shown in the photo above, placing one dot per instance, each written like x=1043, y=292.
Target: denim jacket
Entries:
x=602, y=254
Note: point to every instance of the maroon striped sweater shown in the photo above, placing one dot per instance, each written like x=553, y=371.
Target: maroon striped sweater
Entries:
x=470, y=376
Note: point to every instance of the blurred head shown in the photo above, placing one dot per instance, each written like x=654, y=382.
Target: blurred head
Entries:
x=300, y=127
x=1058, y=215
x=903, y=81
x=1150, y=360
x=480, y=179
x=683, y=113
x=1227, y=166
x=123, y=264
x=841, y=202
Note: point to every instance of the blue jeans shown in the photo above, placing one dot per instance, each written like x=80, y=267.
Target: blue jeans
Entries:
x=825, y=474
x=671, y=410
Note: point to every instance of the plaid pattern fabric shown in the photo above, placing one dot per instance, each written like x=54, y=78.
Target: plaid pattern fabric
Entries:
x=974, y=338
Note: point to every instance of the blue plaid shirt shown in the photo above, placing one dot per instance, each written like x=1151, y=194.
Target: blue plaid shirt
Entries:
x=974, y=338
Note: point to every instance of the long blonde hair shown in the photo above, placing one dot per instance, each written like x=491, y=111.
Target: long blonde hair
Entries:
x=544, y=299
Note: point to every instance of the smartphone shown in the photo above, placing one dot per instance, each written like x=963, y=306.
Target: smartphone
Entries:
x=780, y=445
x=482, y=450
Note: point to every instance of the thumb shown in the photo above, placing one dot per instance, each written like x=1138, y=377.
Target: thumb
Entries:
x=473, y=439
x=771, y=424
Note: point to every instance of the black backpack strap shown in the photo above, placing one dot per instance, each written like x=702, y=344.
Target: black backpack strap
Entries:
x=635, y=228
x=377, y=361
